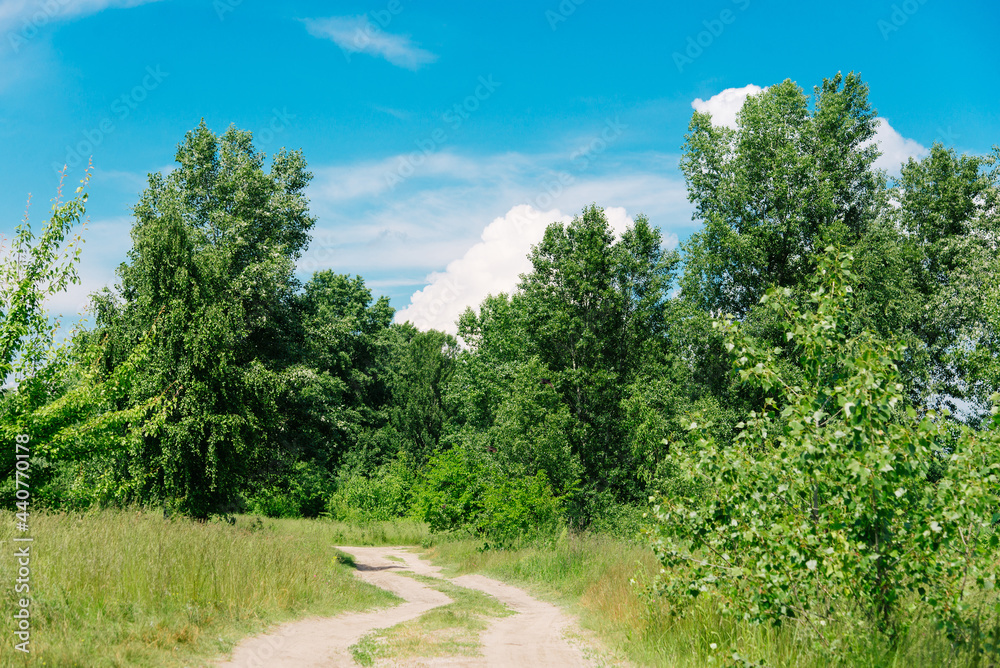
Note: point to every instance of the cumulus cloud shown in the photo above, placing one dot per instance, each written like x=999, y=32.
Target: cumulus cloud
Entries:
x=429, y=220
x=896, y=149
x=357, y=34
x=491, y=266
x=725, y=105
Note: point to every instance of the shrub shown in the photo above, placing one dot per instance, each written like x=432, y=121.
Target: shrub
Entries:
x=302, y=493
x=384, y=496
x=831, y=507
x=460, y=492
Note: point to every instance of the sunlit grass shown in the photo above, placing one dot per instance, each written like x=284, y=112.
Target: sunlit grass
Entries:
x=451, y=630
x=118, y=588
x=592, y=575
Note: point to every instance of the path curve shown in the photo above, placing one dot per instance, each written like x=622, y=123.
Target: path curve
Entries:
x=534, y=636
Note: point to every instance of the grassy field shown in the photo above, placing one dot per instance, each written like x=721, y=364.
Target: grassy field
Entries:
x=592, y=576
x=116, y=588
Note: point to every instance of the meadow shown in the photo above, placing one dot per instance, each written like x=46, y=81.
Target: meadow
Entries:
x=132, y=588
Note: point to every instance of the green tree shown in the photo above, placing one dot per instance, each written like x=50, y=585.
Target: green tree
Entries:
x=215, y=243
x=34, y=269
x=827, y=509
x=419, y=367
x=948, y=208
x=344, y=342
x=772, y=191
x=542, y=386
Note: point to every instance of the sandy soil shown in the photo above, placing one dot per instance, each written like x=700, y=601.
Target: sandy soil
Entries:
x=534, y=636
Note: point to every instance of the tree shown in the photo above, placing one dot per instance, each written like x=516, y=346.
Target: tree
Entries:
x=773, y=190
x=949, y=209
x=215, y=243
x=828, y=508
x=419, y=367
x=542, y=387
x=34, y=270
x=342, y=348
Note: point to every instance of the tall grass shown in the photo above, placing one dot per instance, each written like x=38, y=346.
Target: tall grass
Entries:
x=118, y=588
x=605, y=581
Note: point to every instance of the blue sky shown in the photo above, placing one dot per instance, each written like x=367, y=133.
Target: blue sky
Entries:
x=443, y=136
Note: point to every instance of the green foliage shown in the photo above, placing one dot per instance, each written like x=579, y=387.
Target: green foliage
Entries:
x=301, y=491
x=384, y=495
x=950, y=210
x=541, y=388
x=212, y=264
x=34, y=269
x=458, y=492
x=450, y=491
x=825, y=510
x=788, y=178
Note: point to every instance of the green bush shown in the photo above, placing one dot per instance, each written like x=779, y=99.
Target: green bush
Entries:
x=302, y=493
x=272, y=502
x=460, y=492
x=386, y=495
x=831, y=508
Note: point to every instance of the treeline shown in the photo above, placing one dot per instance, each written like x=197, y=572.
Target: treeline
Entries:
x=213, y=381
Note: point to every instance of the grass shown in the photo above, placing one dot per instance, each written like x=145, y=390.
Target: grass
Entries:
x=592, y=576
x=128, y=588
x=451, y=630
x=120, y=588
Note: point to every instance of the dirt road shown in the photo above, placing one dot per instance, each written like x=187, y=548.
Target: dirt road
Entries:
x=534, y=636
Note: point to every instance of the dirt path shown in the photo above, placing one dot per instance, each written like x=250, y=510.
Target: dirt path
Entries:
x=533, y=636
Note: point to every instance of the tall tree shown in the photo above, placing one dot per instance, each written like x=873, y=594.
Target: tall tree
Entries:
x=549, y=367
x=215, y=243
x=771, y=192
x=949, y=210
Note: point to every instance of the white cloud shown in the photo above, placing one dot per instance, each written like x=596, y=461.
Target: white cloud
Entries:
x=23, y=18
x=433, y=217
x=725, y=105
x=357, y=34
x=491, y=266
x=896, y=149
x=347, y=182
